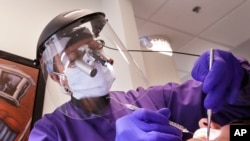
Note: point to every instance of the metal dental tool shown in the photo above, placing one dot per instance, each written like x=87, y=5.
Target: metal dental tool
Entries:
x=209, y=116
x=178, y=126
x=209, y=111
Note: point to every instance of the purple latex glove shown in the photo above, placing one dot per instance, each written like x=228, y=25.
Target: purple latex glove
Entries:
x=222, y=83
x=147, y=125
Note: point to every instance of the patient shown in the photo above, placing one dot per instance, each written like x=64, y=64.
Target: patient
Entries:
x=218, y=133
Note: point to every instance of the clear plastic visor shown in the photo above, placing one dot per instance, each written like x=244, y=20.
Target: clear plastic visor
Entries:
x=82, y=66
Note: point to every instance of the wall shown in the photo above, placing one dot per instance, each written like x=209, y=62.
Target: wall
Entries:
x=22, y=21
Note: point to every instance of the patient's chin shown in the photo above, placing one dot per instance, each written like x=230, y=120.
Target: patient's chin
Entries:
x=201, y=134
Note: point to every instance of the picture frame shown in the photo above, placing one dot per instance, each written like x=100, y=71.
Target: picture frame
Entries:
x=22, y=90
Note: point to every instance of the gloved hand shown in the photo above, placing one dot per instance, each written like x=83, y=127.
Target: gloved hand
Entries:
x=222, y=83
x=147, y=125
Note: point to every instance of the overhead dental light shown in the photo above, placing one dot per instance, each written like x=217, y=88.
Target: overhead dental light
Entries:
x=156, y=43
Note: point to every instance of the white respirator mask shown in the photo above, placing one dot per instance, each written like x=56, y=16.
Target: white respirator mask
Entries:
x=84, y=86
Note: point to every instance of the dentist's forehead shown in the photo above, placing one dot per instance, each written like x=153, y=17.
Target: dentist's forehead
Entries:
x=78, y=44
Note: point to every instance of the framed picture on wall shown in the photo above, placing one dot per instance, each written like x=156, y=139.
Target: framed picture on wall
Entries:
x=21, y=96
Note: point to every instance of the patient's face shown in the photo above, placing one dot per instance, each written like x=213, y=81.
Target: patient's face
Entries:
x=218, y=133
x=223, y=135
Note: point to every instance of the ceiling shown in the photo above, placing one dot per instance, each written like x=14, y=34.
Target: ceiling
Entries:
x=194, y=26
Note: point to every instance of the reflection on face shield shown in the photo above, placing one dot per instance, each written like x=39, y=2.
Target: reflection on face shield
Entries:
x=85, y=56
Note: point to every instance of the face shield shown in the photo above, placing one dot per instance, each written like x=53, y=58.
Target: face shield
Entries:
x=85, y=58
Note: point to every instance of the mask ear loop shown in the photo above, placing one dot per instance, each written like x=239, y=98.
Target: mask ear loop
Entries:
x=65, y=88
x=62, y=79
